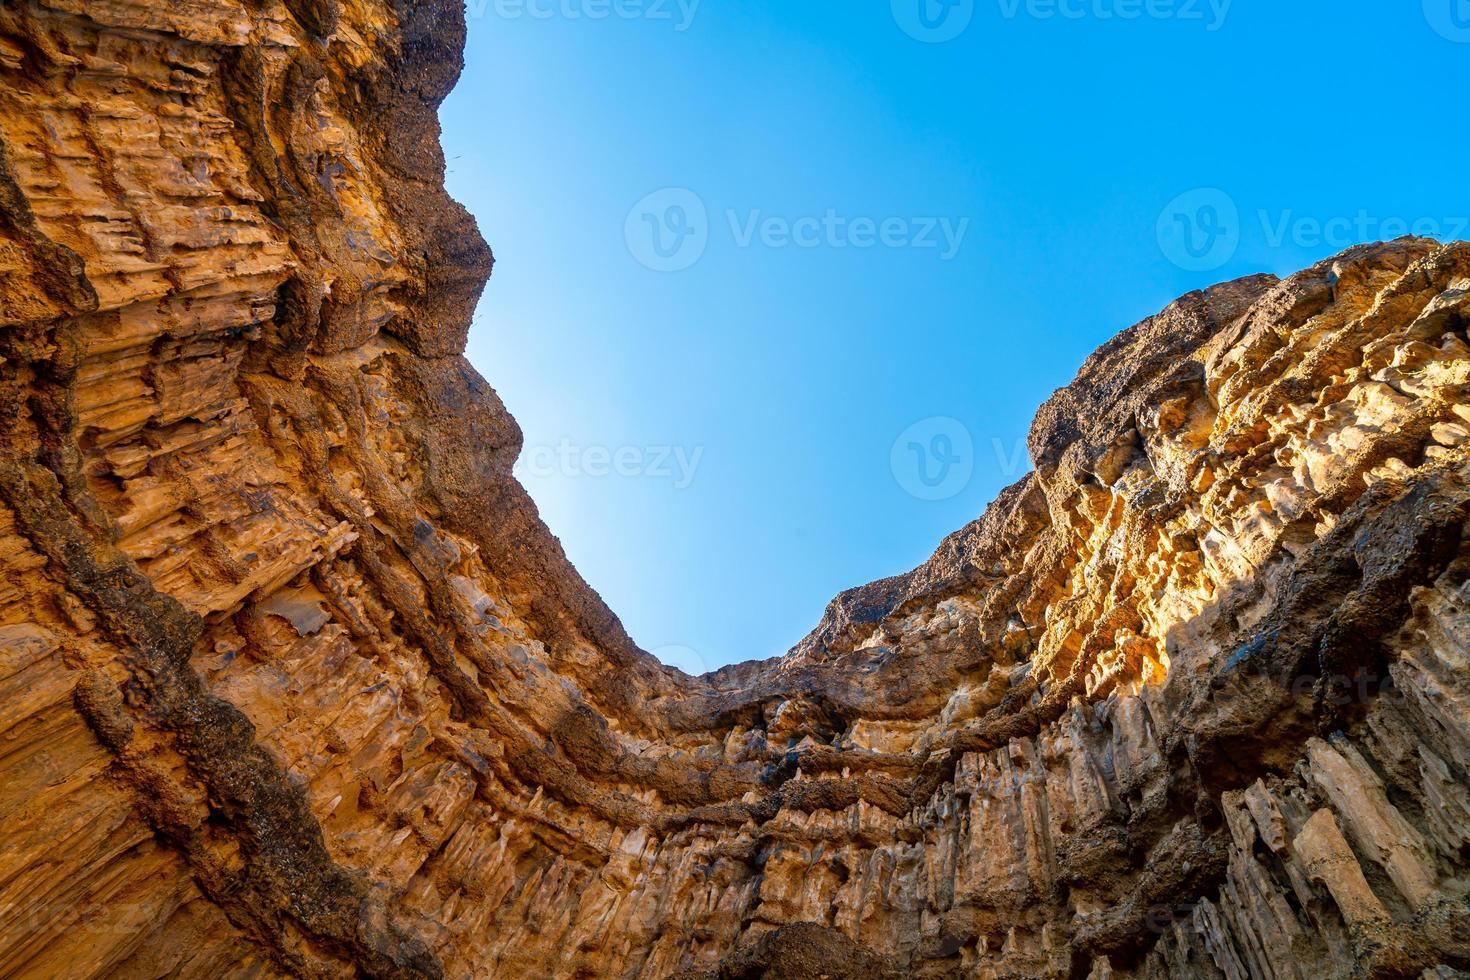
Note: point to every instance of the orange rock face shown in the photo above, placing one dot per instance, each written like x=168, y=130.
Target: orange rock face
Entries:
x=296, y=683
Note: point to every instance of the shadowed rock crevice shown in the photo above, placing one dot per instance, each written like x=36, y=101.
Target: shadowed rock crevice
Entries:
x=297, y=682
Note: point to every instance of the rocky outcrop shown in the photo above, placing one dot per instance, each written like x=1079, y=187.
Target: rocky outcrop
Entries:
x=295, y=682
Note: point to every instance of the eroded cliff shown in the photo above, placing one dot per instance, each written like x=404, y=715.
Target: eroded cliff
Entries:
x=295, y=682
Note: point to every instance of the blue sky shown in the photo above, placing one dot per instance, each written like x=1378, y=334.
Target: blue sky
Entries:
x=781, y=283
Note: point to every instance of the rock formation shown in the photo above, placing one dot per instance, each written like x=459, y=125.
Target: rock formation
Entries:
x=295, y=682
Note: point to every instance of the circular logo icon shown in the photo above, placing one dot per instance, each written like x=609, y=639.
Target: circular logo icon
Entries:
x=668, y=230
x=685, y=658
x=1449, y=18
x=933, y=21
x=933, y=459
x=1200, y=230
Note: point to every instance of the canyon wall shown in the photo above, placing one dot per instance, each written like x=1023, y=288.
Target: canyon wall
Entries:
x=296, y=683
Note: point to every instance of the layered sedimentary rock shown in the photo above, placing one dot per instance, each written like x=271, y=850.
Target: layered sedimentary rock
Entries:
x=295, y=682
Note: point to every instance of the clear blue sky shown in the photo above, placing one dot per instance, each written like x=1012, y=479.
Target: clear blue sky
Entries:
x=724, y=447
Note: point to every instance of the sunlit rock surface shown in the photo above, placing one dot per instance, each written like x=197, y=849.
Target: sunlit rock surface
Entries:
x=295, y=682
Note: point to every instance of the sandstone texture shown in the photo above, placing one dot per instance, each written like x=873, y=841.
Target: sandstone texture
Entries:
x=295, y=682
